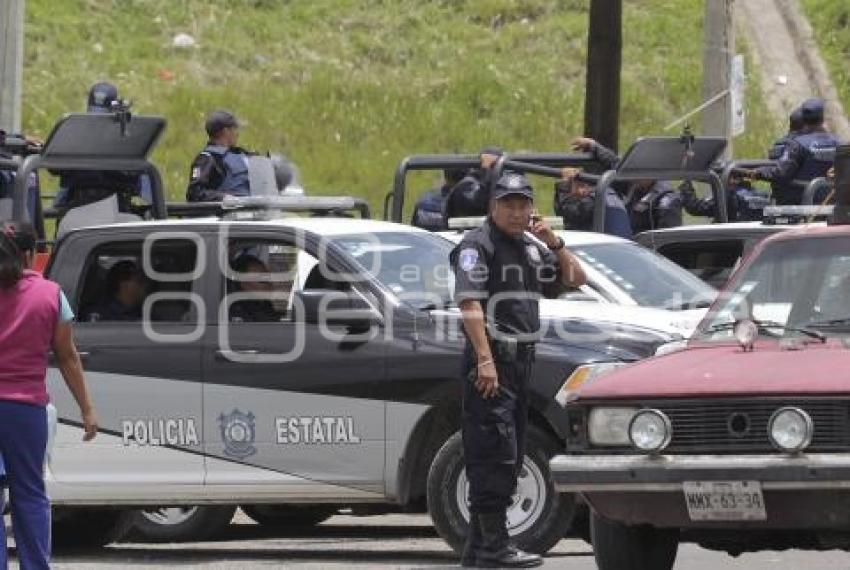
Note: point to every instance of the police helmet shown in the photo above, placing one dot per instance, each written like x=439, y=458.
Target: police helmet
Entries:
x=101, y=97
x=813, y=110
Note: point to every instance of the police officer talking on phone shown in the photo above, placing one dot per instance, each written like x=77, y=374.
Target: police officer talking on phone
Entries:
x=501, y=272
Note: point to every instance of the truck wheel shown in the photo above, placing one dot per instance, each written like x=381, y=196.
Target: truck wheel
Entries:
x=538, y=517
x=620, y=547
x=288, y=515
x=80, y=529
x=180, y=524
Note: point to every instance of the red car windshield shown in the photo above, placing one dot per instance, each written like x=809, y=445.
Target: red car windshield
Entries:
x=794, y=286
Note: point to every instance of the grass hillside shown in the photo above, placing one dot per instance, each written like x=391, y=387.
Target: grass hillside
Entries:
x=831, y=23
x=348, y=87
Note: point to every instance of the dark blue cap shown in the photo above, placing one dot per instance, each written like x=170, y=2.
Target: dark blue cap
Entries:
x=813, y=109
x=512, y=183
x=219, y=120
x=101, y=97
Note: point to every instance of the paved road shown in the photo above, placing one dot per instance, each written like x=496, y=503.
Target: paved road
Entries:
x=393, y=541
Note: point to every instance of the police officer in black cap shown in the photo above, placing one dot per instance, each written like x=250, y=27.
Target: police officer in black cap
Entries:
x=808, y=156
x=501, y=273
x=221, y=169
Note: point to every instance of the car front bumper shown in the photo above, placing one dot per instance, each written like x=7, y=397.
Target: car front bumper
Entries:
x=664, y=473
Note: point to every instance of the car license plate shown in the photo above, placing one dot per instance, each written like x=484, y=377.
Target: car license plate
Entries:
x=724, y=500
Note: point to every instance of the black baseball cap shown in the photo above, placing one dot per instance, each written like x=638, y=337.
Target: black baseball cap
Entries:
x=101, y=97
x=219, y=120
x=512, y=183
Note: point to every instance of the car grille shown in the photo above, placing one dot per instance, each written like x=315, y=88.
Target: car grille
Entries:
x=741, y=426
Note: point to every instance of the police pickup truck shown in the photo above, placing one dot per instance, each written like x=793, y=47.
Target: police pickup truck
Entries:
x=291, y=367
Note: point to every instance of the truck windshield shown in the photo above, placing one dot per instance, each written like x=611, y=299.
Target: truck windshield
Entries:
x=792, y=287
x=412, y=265
x=648, y=278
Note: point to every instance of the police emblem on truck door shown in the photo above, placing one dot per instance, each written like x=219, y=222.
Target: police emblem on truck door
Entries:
x=238, y=433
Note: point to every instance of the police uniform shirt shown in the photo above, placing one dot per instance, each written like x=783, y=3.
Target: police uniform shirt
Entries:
x=513, y=273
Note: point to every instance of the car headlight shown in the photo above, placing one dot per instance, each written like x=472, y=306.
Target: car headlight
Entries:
x=791, y=429
x=650, y=431
x=582, y=376
x=609, y=426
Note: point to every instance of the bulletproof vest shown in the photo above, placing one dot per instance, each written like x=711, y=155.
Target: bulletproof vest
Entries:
x=617, y=221
x=428, y=213
x=820, y=155
x=234, y=170
x=517, y=309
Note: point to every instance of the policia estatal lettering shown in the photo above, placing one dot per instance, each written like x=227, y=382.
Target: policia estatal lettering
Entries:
x=501, y=273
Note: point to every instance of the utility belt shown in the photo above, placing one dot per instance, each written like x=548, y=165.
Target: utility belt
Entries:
x=510, y=350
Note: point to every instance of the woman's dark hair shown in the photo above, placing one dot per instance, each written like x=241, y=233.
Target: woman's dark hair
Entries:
x=11, y=260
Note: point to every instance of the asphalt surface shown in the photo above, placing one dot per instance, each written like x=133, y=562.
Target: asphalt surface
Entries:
x=391, y=541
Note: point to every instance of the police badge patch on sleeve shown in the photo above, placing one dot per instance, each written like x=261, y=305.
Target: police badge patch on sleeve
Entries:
x=468, y=258
x=196, y=172
x=534, y=253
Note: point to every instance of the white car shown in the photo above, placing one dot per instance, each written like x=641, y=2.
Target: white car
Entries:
x=629, y=284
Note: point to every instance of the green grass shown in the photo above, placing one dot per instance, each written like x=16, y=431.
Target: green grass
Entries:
x=830, y=21
x=349, y=87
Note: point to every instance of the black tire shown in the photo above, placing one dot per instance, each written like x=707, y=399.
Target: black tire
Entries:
x=83, y=529
x=620, y=547
x=549, y=517
x=180, y=524
x=286, y=516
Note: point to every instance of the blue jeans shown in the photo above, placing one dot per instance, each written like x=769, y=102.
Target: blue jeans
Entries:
x=23, y=439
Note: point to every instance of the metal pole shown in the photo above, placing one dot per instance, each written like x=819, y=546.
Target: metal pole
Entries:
x=718, y=49
x=604, y=59
x=11, y=63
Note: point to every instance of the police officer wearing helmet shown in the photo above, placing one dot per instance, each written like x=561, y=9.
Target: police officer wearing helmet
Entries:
x=806, y=157
x=501, y=273
x=79, y=187
x=221, y=169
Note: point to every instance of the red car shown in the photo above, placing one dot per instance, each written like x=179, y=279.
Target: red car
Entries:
x=741, y=440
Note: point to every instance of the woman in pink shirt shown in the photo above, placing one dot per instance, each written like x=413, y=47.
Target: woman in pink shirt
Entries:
x=35, y=318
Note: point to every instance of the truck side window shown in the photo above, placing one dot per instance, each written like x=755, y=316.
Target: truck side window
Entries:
x=260, y=279
x=118, y=284
x=712, y=261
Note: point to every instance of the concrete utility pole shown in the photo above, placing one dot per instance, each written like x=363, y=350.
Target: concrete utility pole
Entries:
x=11, y=63
x=718, y=50
x=604, y=58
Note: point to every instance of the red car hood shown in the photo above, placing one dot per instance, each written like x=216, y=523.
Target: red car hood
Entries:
x=726, y=370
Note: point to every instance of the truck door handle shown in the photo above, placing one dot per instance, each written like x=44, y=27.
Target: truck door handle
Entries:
x=51, y=357
x=230, y=354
